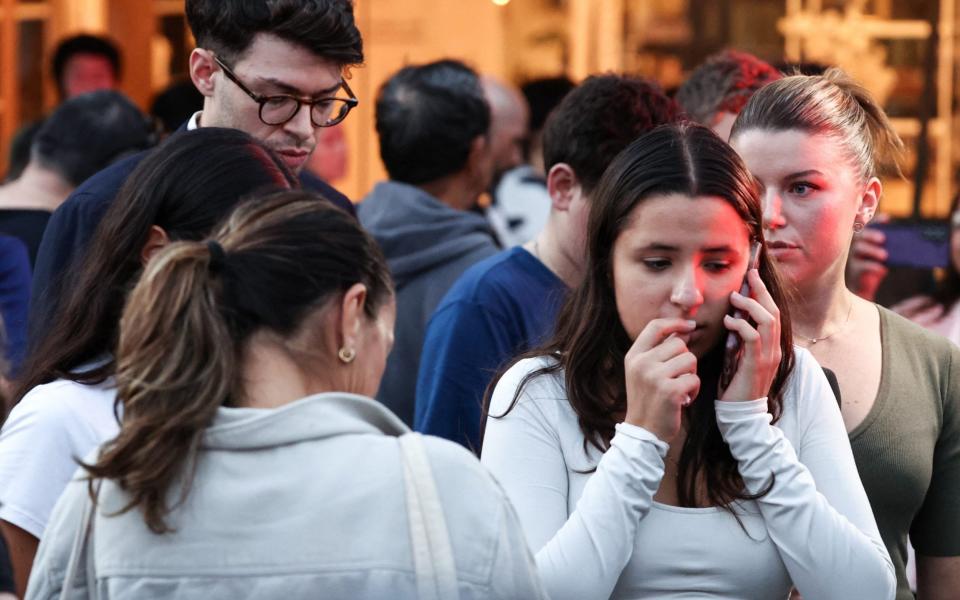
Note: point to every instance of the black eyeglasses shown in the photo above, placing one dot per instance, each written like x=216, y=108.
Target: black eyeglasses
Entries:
x=280, y=108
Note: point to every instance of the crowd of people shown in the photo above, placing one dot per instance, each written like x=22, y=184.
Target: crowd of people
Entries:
x=588, y=340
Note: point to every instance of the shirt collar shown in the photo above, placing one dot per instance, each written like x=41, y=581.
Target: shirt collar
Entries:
x=194, y=121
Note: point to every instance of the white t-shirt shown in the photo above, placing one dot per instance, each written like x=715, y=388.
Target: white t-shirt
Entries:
x=54, y=425
x=600, y=534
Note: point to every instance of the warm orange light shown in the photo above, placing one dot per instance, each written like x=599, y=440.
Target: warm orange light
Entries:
x=501, y=2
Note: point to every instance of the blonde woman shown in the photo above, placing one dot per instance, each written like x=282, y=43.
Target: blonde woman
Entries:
x=818, y=145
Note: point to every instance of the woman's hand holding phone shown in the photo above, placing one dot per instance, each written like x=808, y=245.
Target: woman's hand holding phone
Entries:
x=661, y=377
x=760, y=344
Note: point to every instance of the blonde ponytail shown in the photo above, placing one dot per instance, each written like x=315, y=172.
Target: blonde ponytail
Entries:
x=830, y=104
x=886, y=147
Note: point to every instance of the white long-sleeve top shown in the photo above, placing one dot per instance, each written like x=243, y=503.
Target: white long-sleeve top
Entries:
x=600, y=534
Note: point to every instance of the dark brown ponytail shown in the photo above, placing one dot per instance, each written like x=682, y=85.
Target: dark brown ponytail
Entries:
x=276, y=261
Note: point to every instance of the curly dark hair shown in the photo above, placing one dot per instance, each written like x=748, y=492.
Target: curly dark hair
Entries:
x=543, y=95
x=723, y=83
x=325, y=27
x=600, y=118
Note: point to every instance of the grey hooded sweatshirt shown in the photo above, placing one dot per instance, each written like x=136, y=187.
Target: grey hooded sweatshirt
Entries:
x=428, y=245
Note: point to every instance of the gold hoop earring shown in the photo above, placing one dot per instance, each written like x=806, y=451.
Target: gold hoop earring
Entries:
x=857, y=226
x=346, y=355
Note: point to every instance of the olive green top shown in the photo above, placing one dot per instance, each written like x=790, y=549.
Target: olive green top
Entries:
x=907, y=448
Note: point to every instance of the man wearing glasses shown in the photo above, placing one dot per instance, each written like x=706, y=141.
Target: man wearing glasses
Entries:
x=289, y=118
x=272, y=68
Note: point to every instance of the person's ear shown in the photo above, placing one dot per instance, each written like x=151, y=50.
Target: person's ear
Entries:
x=869, y=200
x=202, y=68
x=351, y=316
x=562, y=185
x=157, y=239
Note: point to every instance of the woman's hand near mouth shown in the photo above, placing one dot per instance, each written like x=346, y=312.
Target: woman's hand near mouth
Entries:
x=661, y=376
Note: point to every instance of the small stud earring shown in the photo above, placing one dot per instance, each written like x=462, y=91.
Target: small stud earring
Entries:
x=346, y=355
x=857, y=226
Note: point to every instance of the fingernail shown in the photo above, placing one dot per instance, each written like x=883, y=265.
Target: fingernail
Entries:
x=691, y=323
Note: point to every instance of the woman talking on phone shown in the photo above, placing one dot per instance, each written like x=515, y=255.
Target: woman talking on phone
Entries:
x=635, y=472
x=817, y=144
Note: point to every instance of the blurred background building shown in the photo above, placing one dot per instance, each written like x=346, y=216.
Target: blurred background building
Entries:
x=905, y=52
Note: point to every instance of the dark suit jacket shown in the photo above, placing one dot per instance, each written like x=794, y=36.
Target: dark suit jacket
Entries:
x=72, y=226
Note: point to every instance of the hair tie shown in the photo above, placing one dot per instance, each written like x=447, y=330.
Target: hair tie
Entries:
x=218, y=257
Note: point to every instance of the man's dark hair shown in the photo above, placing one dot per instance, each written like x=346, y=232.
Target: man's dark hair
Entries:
x=89, y=132
x=723, y=83
x=324, y=27
x=600, y=118
x=427, y=118
x=84, y=44
x=543, y=95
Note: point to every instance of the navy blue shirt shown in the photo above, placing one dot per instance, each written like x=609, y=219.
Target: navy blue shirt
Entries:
x=500, y=307
x=72, y=225
x=27, y=225
x=14, y=299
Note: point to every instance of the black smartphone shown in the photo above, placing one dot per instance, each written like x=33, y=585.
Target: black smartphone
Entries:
x=731, y=352
x=923, y=244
